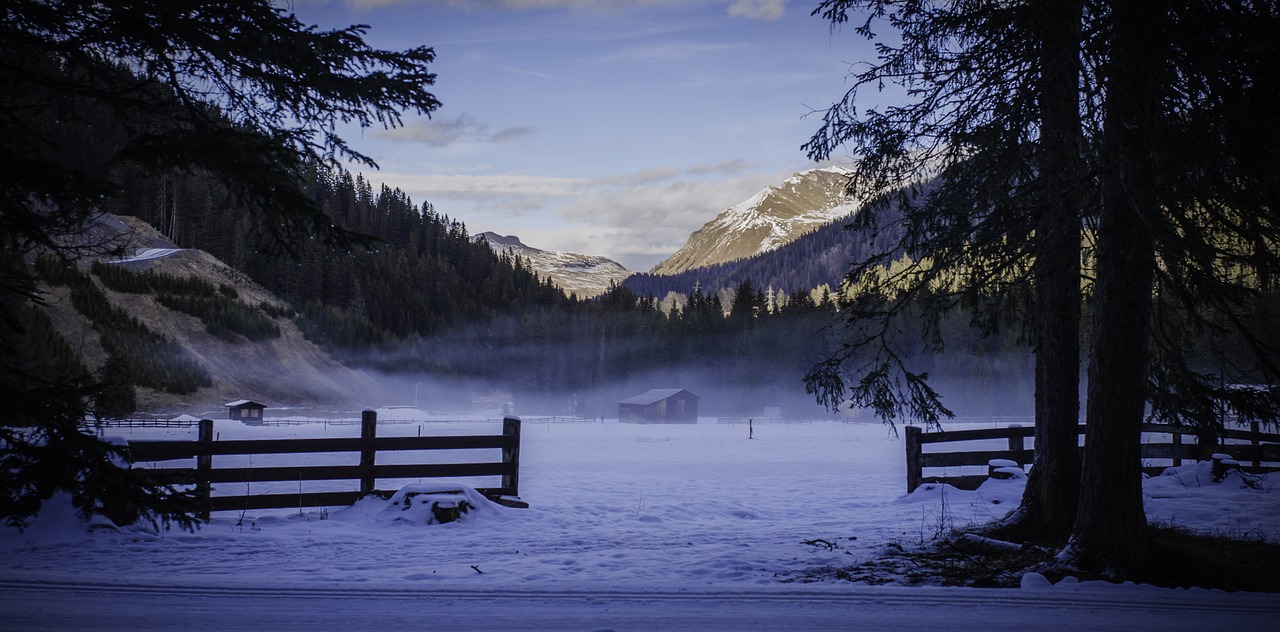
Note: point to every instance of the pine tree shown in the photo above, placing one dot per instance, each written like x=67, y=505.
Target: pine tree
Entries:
x=1169, y=95
x=94, y=92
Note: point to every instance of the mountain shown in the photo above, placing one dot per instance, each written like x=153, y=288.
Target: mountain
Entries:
x=819, y=257
x=771, y=218
x=278, y=367
x=585, y=275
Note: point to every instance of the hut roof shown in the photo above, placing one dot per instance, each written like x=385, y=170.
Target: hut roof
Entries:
x=244, y=402
x=654, y=396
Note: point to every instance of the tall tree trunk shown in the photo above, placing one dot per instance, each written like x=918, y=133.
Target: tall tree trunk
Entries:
x=1049, y=504
x=1109, y=535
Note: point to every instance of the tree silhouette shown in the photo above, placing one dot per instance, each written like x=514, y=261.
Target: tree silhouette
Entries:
x=1142, y=121
x=92, y=92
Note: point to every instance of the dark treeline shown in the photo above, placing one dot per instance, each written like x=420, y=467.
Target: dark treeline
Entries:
x=741, y=357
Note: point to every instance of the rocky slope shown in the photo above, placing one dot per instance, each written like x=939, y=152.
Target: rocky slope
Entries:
x=584, y=275
x=285, y=371
x=771, y=218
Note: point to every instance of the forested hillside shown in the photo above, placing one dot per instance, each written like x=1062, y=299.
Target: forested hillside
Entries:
x=422, y=275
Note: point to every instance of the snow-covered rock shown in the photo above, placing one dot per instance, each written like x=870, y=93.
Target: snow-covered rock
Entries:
x=435, y=503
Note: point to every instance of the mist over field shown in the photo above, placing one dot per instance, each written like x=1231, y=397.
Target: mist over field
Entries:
x=774, y=388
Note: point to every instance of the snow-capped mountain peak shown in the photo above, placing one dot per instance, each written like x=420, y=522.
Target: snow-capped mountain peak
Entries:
x=585, y=275
x=773, y=217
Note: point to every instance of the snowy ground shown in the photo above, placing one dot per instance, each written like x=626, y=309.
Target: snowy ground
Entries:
x=628, y=514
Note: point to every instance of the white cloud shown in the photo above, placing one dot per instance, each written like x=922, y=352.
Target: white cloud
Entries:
x=757, y=9
x=639, y=216
x=633, y=214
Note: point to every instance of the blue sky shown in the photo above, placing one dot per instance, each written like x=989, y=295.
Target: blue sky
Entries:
x=606, y=127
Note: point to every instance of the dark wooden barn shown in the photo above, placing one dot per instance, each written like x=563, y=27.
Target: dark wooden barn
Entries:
x=662, y=405
x=245, y=410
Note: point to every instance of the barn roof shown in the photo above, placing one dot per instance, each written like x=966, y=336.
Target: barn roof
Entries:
x=654, y=396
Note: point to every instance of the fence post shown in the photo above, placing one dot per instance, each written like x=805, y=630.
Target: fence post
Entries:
x=204, y=464
x=915, y=456
x=511, y=455
x=1177, y=447
x=1254, y=431
x=368, y=432
x=1017, y=444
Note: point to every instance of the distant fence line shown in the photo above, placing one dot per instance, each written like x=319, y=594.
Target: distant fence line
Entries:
x=1259, y=453
x=733, y=421
x=351, y=421
x=140, y=422
x=368, y=445
x=868, y=419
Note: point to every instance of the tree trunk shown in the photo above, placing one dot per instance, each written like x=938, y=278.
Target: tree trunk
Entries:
x=1109, y=535
x=1049, y=504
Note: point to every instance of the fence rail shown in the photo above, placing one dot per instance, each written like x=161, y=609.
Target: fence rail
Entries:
x=1260, y=453
x=141, y=423
x=367, y=473
x=733, y=421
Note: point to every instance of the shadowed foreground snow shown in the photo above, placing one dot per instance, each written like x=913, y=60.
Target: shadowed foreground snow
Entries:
x=628, y=524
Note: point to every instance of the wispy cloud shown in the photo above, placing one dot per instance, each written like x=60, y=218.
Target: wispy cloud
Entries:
x=531, y=73
x=671, y=51
x=658, y=175
x=750, y=9
x=513, y=4
x=510, y=133
x=484, y=186
x=758, y=9
x=445, y=132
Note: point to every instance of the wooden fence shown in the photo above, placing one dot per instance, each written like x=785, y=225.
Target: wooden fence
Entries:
x=138, y=422
x=367, y=473
x=1257, y=452
x=733, y=421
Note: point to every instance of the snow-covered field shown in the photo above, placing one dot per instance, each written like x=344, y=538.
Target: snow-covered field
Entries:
x=663, y=511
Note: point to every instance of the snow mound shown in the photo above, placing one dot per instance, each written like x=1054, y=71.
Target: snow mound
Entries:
x=59, y=522
x=1035, y=581
x=436, y=503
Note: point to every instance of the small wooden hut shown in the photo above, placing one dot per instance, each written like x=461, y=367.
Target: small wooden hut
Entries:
x=660, y=406
x=245, y=410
